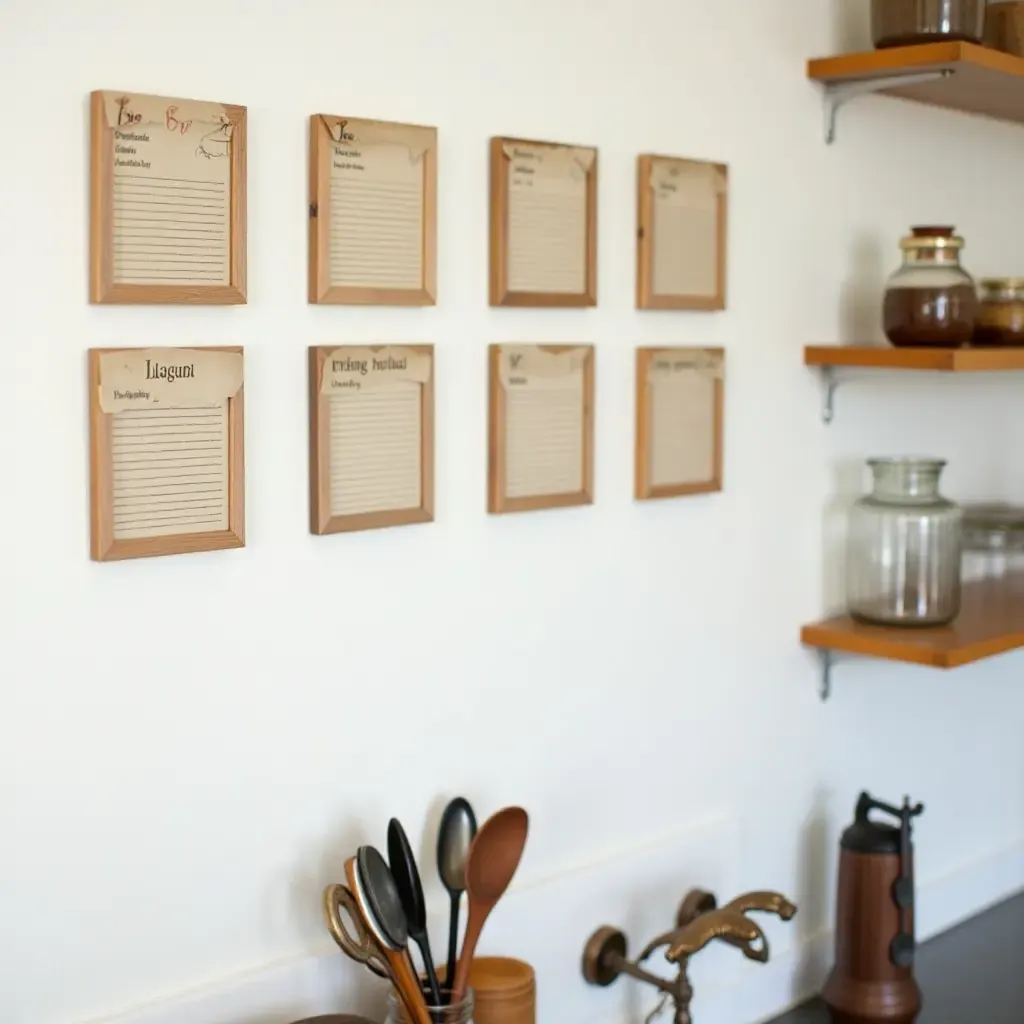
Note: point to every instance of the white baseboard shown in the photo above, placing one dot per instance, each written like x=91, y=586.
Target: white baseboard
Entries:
x=730, y=990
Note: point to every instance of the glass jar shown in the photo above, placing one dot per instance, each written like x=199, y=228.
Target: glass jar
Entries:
x=904, y=547
x=907, y=22
x=931, y=299
x=460, y=1013
x=1000, y=317
x=993, y=541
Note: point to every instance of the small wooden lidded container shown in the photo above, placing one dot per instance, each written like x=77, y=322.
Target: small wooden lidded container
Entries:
x=506, y=990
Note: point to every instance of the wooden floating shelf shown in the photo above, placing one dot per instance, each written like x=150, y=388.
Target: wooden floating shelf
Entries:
x=991, y=622
x=947, y=360
x=983, y=81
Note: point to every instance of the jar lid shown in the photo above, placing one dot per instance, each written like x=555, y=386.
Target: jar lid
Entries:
x=1002, y=284
x=1009, y=518
x=932, y=237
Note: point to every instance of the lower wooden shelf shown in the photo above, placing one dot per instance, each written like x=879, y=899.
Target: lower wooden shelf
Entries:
x=991, y=622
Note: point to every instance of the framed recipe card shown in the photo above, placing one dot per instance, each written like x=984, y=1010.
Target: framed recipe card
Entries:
x=372, y=212
x=166, y=451
x=167, y=200
x=679, y=412
x=541, y=427
x=371, y=437
x=682, y=234
x=543, y=224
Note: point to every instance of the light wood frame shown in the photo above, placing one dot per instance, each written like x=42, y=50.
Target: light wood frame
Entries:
x=645, y=295
x=104, y=547
x=102, y=288
x=320, y=288
x=500, y=295
x=320, y=519
x=644, y=490
x=497, y=502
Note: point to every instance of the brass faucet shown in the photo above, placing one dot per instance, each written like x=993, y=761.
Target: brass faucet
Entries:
x=698, y=921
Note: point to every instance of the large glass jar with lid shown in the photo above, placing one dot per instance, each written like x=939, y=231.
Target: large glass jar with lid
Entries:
x=930, y=299
x=904, y=547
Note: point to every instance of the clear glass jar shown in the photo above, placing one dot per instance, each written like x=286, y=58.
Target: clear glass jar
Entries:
x=931, y=299
x=1000, y=317
x=904, y=547
x=993, y=541
x=460, y=1013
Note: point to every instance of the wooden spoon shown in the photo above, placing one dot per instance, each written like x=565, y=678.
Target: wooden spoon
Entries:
x=493, y=858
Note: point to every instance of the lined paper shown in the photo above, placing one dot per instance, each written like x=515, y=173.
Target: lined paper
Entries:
x=547, y=218
x=170, y=471
x=683, y=385
x=544, y=420
x=682, y=431
x=171, y=191
x=377, y=205
x=685, y=226
x=376, y=449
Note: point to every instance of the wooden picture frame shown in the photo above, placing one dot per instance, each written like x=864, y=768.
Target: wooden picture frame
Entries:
x=682, y=233
x=386, y=168
x=525, y=268
x=680, y=409
x=167, y=200
x=531, y=372
x=408, y=391
x=137, y=486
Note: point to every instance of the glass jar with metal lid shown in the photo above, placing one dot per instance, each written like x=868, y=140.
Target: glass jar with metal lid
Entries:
x=931, y=299
x=1000, y=317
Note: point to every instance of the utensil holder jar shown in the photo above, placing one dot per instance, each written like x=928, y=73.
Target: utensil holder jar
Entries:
x=459, y=1013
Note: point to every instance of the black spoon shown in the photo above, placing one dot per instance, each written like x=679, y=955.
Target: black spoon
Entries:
x=456, y=832
x=410, y=891
x=375, y=883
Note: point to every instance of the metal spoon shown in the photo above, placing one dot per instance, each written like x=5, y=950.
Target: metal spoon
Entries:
x=410, y=891
x=454, y=836
x=493, y=858
x=375, y=891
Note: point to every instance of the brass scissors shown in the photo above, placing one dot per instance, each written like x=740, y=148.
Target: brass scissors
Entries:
x=362, y=947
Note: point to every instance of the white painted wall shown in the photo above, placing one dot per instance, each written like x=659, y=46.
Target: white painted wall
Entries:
x=190, y=746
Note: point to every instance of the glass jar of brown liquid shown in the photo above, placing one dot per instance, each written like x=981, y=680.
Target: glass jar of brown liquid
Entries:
x=1000, y=319
x=931, y=299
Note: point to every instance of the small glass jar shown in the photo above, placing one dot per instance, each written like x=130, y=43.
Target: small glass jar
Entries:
x=459, y=1013
x=904, y=547
x=993, y=541
x=931, y=299
x=1000, y=317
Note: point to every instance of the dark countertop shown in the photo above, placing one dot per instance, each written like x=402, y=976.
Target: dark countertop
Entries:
x=972, y=974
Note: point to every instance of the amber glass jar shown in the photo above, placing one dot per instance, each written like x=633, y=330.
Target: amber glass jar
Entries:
x=908, y=22
x=1000, y=317
x=931, y=299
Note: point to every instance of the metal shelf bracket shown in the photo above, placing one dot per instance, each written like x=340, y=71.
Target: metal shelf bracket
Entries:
x=829, y=382
x=828, y=659
x=836, y=94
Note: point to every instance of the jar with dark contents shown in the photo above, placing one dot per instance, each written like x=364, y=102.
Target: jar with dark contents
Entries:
x=909, y=22
x=931, y=299
x=1000, y=317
